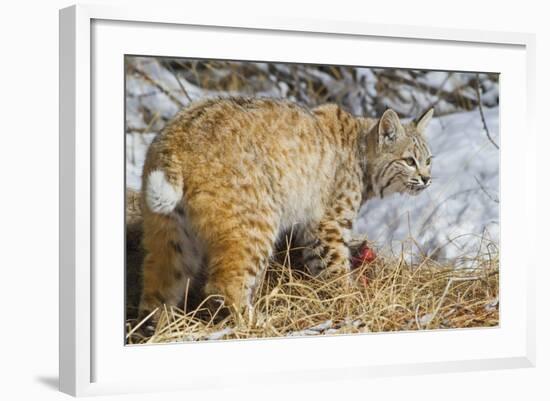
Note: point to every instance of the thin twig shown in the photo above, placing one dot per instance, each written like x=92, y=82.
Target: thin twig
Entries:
x=157, y=84
x=141, y=130
x=184, y=91
x=485, y=191
x=478, y=93
x=438, y=93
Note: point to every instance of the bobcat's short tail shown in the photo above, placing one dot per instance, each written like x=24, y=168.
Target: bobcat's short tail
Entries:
x=161, y=195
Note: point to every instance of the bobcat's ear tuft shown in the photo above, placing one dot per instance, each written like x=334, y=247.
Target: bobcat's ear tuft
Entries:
x=423, y=121
x=389, y=127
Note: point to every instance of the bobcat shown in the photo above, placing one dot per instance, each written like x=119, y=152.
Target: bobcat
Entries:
x=227, y=177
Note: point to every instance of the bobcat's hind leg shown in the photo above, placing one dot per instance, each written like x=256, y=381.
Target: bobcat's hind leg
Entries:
x=170, y=265
x=237, y=260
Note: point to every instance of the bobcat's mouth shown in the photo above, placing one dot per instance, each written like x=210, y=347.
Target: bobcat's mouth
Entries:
x=415, y=188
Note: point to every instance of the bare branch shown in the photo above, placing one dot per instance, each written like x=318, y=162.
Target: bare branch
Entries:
x=485, y=191
x=438, y=93
x=448, y=96
x=183, y=90
x=157, y=84
x=142, y=130
x=478, y=93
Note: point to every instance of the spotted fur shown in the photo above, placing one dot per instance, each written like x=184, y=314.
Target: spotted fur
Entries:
x=227, y=177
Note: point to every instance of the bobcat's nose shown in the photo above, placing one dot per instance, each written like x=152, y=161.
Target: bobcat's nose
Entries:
x=425, y=179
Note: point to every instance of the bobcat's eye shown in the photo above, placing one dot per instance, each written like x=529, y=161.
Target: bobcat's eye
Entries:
x=410, y=161
x=428, y=161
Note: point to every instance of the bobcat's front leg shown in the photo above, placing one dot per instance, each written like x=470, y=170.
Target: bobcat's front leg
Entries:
x=328, y=250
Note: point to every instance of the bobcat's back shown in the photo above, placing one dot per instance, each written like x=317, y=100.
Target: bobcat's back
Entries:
x=239, y=153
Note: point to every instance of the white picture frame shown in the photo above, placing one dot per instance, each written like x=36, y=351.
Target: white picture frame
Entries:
x=93, y=358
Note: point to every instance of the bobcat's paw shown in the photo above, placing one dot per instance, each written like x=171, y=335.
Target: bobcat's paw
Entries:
x=337, y=272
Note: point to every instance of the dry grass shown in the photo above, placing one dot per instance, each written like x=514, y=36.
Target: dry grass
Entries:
x=386, y=295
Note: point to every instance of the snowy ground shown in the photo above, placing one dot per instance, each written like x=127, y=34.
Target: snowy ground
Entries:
x=458, y=216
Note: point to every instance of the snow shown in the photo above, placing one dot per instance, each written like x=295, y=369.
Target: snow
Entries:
x=218, y=335
x=493, y=305
x=312, y=331
x=136, y=148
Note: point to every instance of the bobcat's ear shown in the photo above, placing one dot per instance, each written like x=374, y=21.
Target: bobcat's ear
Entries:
x=389, y=127
x=423, y=121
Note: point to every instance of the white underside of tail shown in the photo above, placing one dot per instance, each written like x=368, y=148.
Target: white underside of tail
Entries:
x=161, y=196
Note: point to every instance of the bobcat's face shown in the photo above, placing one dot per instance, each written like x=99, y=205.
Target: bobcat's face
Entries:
x=416, y=163
x=404, y=158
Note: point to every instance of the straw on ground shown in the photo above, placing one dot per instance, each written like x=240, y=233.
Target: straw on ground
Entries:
x=388, y=294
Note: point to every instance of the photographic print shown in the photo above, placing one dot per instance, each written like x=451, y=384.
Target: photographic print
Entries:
x=276, y=200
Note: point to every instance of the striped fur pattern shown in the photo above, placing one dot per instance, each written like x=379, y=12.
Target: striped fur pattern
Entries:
x=228, y=177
